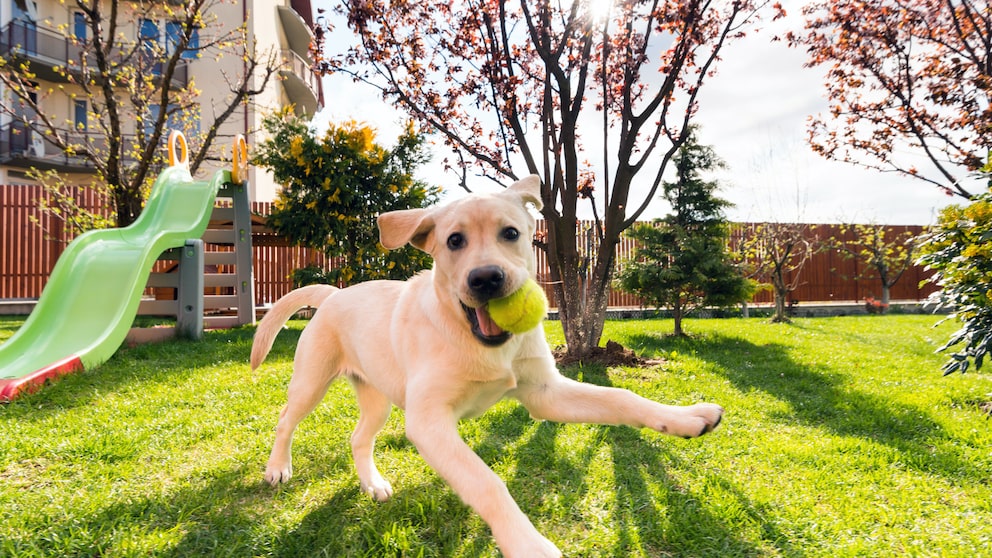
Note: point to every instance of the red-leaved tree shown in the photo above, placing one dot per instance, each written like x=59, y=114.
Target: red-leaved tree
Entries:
x=908, y=82
x=546, y=87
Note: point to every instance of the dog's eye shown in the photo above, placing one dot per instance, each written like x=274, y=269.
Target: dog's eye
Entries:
x=456, y=241
x=510, y=233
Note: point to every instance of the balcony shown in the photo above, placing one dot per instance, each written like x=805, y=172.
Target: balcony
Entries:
x=23, y=148
x=51, y=55
x=298, y=33
x=302, y=86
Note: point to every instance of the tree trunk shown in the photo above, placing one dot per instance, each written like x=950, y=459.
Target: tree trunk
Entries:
x=128, y=206
x=582, y=321
x=885, y=294
x=677, y=316
x=780, y=296
x=581, y=289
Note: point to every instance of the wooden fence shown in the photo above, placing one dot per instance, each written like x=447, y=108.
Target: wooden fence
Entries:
x=31, y=242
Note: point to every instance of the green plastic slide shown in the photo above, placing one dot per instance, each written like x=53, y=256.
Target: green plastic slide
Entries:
x=92, y=295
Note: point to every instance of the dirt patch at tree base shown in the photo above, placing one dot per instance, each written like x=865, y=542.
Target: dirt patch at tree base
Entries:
x=613, y=354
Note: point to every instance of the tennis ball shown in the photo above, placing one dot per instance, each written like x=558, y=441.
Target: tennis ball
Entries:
x=522, y=310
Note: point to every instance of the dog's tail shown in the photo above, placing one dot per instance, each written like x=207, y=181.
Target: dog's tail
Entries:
x=281, y=311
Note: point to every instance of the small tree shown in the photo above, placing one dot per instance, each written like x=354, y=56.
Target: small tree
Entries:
x=883, y=252
x=959, y=250
x=682, y=261
x=333, y=189
x=778, y=252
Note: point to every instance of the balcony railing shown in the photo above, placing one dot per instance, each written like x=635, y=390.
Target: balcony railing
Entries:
x=22, y=147
x=300, y=82
x=52, y=54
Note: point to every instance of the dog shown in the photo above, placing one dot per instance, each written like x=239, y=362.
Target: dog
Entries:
x=428, y=346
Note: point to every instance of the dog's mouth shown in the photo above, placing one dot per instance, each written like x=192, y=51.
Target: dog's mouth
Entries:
x=484, y=328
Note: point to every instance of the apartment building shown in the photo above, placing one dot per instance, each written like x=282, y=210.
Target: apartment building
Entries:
x=40, y=34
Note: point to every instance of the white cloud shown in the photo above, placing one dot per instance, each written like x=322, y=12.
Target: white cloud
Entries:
x=754, y=113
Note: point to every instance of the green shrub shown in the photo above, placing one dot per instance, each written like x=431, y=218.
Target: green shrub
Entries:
x=959, y=251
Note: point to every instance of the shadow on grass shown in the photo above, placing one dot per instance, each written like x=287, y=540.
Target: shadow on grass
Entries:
x=652, y=512
x=155, y=363
x=423, y=520
x=213, y=513
x=819, y=397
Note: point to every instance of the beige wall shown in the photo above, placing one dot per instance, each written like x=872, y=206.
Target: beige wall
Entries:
x=213, y=73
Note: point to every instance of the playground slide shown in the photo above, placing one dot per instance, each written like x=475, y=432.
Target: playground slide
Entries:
x=92, y=295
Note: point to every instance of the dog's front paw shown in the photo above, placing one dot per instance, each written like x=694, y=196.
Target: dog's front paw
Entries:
x=690, y=421
x=276, y=473
x=704, y=418
x=538, y=547
x=378, y=488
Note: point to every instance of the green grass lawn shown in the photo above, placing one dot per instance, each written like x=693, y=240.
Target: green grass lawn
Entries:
x=841, y=438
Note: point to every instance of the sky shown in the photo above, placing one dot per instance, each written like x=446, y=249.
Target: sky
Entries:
x=753, y=113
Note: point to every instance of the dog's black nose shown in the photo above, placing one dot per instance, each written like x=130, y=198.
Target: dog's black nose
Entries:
x=486, y=281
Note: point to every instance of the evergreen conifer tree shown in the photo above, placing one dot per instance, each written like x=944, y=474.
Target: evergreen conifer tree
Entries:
x=682, y=261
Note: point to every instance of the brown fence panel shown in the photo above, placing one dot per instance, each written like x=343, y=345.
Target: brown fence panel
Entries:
x=274, y=260
x=31, y=241
x=28, y=253
x=273, y=266
x=830, y=276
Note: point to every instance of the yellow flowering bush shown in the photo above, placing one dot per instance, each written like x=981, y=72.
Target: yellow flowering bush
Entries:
x=959, y=251
x=334, y=186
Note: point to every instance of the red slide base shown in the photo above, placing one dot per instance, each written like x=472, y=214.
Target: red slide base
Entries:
x=13, y=388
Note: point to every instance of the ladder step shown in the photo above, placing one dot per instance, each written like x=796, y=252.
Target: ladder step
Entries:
x=211, y=302
x=220, y=258
x=158, y=307
x=220, y=279
x=220, y=236
x=220, y=322
x=163, y=280
x=222, y=214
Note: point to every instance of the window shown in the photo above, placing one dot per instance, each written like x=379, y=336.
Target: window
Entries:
x=25, y=109
x=173, y=35
x=25, y=10
x=80, y=111
x=148, y=35
x=23, y=30
x=79, y=26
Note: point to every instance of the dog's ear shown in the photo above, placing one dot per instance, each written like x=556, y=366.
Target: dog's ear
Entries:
x=529, y=190
x=415, y=226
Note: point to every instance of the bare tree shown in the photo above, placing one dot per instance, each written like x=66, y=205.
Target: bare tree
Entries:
x=776, y=253
x=136, y=84
x=884, y=253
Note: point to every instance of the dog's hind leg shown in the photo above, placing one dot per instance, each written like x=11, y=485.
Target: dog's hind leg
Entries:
x=312, y=375
x=374, y=409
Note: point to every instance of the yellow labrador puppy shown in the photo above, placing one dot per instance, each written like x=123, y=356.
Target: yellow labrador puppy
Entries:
x=427, y=345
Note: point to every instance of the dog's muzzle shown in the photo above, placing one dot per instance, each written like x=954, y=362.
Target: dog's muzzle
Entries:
x=486, y=283
x=484, y=328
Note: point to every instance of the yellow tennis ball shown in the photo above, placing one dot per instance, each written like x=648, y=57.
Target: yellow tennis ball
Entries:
x=522, y=310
